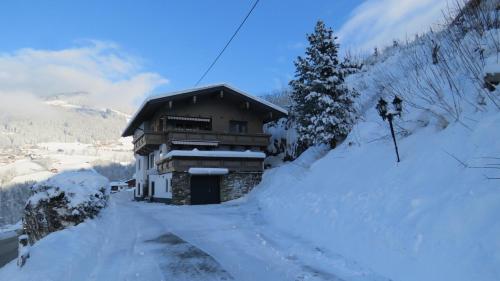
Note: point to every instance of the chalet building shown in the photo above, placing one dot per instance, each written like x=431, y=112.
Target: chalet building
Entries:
x=200, y=146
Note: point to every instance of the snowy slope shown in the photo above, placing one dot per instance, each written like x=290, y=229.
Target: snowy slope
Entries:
x=427, y=218
x=65, y=134
x=434, y=215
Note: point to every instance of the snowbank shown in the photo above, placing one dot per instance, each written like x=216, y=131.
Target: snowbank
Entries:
x=430, y=217
x=64, y=200
x=77, y=186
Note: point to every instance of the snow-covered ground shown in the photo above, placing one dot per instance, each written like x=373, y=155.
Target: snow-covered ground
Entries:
x=352, y=213
x=141, y=241
x=433, y=216
x=42, y=161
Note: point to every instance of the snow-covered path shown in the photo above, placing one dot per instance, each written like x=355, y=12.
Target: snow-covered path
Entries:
x=249, y=249
x=144, y=241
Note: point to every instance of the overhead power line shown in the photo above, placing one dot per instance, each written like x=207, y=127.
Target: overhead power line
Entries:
x=227, y=44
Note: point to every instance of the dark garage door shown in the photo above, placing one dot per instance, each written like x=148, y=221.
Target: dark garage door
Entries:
x=205, y=190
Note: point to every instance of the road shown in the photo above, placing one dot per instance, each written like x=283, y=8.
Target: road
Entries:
x=8, y=250
x=150, y=241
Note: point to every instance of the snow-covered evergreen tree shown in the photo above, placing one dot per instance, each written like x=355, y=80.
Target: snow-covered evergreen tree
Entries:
x=322, y=104
x=350, y=66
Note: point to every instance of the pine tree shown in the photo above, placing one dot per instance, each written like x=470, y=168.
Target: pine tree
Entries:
x=322, y=104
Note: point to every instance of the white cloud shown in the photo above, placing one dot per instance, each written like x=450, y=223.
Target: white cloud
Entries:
x=110, y=77
x=379, y=22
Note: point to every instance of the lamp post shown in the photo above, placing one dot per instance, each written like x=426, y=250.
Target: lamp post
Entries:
x=389, y=115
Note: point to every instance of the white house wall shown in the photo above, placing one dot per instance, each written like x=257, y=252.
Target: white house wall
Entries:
x=163, y=189
x=140, y=174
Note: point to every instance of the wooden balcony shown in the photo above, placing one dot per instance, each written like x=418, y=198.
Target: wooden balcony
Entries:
x=147, y=142
x=261, y=140
x=236, y=165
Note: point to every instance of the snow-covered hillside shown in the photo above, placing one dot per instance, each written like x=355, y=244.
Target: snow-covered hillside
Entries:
x=434, y=215
x=69, y=135
x=61, y=118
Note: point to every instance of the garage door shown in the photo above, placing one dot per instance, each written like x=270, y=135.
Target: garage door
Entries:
x=205, y=190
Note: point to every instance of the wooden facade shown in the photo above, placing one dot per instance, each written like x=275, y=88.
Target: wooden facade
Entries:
x=182, y=164
x=219, y=120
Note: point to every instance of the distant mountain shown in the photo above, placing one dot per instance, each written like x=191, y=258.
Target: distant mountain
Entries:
x=66, y=133
x=66, y=117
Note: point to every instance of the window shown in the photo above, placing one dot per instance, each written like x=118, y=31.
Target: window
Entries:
x=240, y=127
x=151, y=160
x=160, y=127
x=138, y=189
x=152, y=188
x=139, y=164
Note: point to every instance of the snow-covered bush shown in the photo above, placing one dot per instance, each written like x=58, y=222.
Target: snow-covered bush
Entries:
x=64, y=200
x=283, y=141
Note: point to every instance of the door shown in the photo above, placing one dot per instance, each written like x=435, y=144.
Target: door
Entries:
x=205, y=190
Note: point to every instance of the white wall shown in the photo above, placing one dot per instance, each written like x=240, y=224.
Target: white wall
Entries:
x=146, y=174
x=163, y=189
x=140, y=173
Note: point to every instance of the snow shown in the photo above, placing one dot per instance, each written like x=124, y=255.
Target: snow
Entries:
x=78, y=187
x=157, y=242
x=21, y=167
x=10, y=230
x=351, y=213
x=492, y=65
x=208, y=171
x=257, y=99
x=213, y=153
x=118, y=183
x=428, y=217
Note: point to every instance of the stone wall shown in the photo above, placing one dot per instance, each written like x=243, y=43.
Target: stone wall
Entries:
x=56, y=213
x=235, y=185
x=181, y=189
x=232, y=186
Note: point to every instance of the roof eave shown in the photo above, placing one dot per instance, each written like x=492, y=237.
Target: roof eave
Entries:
x=128, y=130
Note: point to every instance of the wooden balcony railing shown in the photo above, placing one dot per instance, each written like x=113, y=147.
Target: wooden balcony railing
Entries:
x=222, y=138
x=148, y=141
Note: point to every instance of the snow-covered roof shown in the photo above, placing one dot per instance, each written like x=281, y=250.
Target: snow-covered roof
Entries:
x=117, y=183
x=208, y=171
x=158, y=98
x=213, y=153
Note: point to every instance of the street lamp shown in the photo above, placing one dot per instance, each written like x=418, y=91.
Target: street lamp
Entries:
x=398, y=105
x=385, y=114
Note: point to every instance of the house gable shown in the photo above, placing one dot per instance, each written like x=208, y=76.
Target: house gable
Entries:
x=219, y=100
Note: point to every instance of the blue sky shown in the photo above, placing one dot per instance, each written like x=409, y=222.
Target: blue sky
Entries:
x=174, y=41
